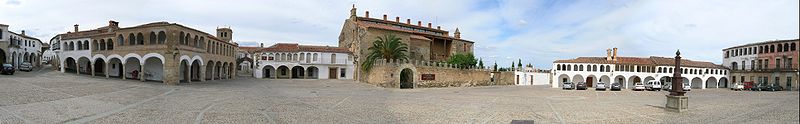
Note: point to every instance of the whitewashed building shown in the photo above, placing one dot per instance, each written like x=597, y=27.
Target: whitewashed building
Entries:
x=293, y=61
x=18, y=48
x=630, y=70
x=531, y=76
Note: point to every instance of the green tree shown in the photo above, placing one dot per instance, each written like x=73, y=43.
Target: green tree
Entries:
x=480, y=63
x=512, y=64
x=519, y=64
x=462, y=60
x=386, y=47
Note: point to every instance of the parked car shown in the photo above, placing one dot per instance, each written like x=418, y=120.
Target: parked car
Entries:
x=568, y=86
x=687, y=87
x=759, y=87
x=666, y=86
x=749, y=85
x=26, y=66
x=638, y=86
x=653, y=85
x=774, y=87
x=600, y=86
x=580, y=86
x=616, y=87
x=737, y=87
x=7, y=69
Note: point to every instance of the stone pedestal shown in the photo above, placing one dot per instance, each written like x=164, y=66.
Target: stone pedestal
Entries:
x=677, y=103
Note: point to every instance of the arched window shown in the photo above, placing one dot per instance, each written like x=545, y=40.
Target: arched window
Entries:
x=734, y=66
x=302, y=56
x=208, y=47
x=780, y=47
x=85, y=45
x=152, y=38
x=602, y=69
x=785, y=47
x=181, y=37
x=771, y=48
x=162, y=37
x=121, y=40
x=333, y=58
x=102, y=45
x=558, y=67
x=608, y=68
x=194, y=41
x=139, y=39
x=186, y=39
x=110, y=44
x=131, y=39
x=315, y=56
x=760, y=49
x=794, y=47
x=200, y=43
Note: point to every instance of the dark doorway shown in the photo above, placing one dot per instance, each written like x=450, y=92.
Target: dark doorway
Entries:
x=589, y=81
x=406, y=79
x=332, y=73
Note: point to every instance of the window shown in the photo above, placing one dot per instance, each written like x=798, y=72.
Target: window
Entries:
x=788, y=63
x=771, y=48
x=85, y=45
x=766, y=62
x=131, y=39
x=162, y=37
x=780, y=47
x=102, y=45
x=110, y=44
x=777, y=63
x=181, y=37
x=140, y=39
x=333, y=58
x=315, y=57
x=793, y=47
x=80, y=46
x=343, y=72
x=777, y=79
x=1, y=33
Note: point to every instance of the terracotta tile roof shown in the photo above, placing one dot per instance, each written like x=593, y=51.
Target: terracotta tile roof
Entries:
x=249, y=49
x=25, y=36
x=420, y=37
x=393, y=28
x=293, y=47
x=652, y=60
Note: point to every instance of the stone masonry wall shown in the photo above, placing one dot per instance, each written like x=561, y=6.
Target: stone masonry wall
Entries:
x=387, y=74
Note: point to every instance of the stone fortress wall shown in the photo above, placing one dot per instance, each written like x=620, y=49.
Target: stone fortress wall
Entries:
x=388, y=73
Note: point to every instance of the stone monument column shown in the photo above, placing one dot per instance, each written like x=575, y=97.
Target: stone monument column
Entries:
x=676, y=101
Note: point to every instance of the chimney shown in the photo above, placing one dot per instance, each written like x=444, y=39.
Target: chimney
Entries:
x=23, y=32
x=419, y=23
x=608, y=55
x=367, y=14
x=408, y=21
x=76, y=27
x=457, y=34
x=439, y=27
x=112, y=23
x=429, y=25
x=397, y=19
x=615, y=54
x=262, y=45
x=384, y=17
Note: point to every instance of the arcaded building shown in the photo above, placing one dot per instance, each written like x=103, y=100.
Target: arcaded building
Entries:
x=294, y=61
x=630, y=70
x=164, y=52
x=17, y=48
x=771, y=62
x=425, y=42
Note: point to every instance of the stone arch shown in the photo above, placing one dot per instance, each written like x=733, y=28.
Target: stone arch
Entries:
x=697, y=83
x=84, y=65
x=132, y=55
x=298, y=72
x=633, y=80
x=157, y=55
x=153, y=68
x=100, y=66
x=648, y=79
x=282, y=72
x=210, y=70
x=268, y=71
x=711, y=82
x=562, y=79
x=723, y=82
x=70, y=65
x=578, y=78
x=406, y=78
x=195, y=71
x=198, y=59
x=591, y=79
x=183, y=71
x=131, y=65
x=605, y=79
x=114, y=66
x=312, y=72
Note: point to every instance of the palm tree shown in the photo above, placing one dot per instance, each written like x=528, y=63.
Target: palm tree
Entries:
x=386, y=47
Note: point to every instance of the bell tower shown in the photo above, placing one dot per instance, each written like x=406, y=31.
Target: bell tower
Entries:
x=225, y=34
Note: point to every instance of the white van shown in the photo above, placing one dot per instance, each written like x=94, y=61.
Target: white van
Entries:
x=653, y=85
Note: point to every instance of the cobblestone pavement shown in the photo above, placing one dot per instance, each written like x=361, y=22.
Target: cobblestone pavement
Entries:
x=54, y=97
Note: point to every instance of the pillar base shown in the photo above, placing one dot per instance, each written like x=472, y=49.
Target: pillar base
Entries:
x=677, y=103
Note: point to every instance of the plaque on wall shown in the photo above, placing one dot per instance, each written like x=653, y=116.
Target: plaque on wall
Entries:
x=428, y=77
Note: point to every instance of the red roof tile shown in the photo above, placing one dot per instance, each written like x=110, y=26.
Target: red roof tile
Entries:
x=653, y=60
x=293, y=47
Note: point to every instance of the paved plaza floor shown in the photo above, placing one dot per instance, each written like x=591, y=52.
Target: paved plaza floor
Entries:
x=54, y=97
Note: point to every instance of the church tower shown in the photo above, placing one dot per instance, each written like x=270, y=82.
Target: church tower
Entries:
x=225, y=34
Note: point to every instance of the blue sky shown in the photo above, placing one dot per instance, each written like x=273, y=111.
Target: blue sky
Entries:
x=538, y=32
